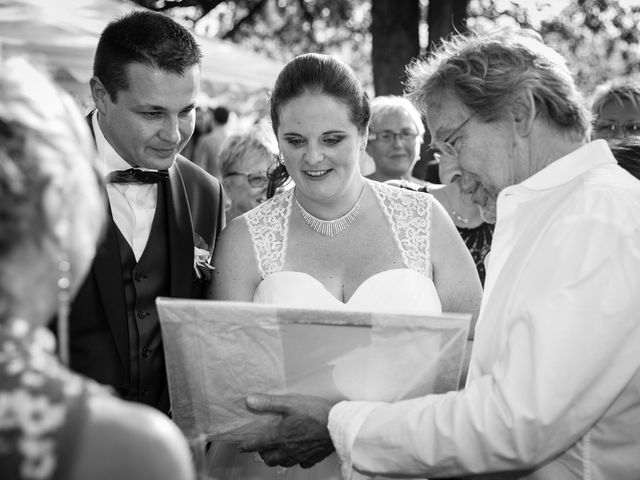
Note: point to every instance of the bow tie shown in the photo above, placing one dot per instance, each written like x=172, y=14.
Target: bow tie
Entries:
x=135, y=175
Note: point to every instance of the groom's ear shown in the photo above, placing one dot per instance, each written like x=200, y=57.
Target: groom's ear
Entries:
x=99, y=94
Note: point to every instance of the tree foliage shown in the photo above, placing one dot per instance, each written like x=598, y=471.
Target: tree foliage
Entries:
x=600, y=38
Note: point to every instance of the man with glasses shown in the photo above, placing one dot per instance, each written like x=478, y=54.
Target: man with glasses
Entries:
x=245, y=159
x=395, y=135
x=616, y=110
x=553, y=387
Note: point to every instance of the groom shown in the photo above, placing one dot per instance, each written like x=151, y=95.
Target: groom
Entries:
x=165, y=213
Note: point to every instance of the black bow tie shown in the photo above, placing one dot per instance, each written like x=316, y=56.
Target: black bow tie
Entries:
x=135, y=175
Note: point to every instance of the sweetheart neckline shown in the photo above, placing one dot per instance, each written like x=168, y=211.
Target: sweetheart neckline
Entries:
x=358, y=288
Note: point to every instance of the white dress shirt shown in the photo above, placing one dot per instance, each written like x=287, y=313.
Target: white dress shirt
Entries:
x=133, y=205
x=554, y=383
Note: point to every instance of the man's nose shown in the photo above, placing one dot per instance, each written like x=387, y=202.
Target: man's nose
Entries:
x=170, y=131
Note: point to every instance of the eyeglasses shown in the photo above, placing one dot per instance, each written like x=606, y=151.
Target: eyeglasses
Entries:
x=388, y=136
x=444, y=147
x=255, y=179
x=613, y=128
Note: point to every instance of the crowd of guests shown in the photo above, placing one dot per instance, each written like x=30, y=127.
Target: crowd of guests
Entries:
x=100, y=216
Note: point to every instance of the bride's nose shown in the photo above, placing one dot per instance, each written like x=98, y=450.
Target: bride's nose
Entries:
x=314, y=155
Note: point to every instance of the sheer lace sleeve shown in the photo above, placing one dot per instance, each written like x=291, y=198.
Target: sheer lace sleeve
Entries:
x=268, y=225
x=409, y=215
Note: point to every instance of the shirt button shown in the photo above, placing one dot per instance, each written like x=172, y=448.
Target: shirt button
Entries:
x=145, y=393
x=146, y=352
x=139, y=277
x=141, y=314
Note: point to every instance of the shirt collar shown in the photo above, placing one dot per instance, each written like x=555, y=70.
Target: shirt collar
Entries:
x=109, y=160
x=570, y=166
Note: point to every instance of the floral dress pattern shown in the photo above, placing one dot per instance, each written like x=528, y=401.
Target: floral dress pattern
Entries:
x=42, y=405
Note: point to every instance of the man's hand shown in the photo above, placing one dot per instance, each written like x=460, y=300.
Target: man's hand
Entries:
x=301, y=437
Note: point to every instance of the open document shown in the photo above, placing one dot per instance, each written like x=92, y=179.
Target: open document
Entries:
x=219, y=352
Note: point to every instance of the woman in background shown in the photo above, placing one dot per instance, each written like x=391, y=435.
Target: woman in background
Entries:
x=245, y=159
x=394, y=144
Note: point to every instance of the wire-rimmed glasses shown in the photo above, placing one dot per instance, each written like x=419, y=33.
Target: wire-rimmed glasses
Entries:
x=445, y=147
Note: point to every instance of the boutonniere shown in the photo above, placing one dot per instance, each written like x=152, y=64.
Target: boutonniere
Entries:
x=201, y=259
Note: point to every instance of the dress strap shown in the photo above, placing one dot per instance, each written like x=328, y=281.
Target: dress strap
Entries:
x=409, y=216
x=268, y=226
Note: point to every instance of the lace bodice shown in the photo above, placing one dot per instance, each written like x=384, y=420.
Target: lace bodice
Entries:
x=408, y=215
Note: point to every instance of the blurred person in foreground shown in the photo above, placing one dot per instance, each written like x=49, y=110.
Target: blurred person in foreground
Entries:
x=245, y=159
x=616, y=110
x=311, y=245
x=55, y=424
x=394, y=144
x=554, y=382
x=164, y=211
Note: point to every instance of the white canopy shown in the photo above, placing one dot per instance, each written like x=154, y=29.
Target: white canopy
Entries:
x=62, y=35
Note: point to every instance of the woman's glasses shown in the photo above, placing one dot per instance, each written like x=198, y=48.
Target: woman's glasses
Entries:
x=388, y=136
x=255, y=179
x=611, y=129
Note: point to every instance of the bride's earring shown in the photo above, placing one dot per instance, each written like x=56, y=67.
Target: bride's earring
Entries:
x=64, y=302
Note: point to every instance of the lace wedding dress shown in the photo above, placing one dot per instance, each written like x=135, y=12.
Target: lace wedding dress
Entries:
x=406, y=290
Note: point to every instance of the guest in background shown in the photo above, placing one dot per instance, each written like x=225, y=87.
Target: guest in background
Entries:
x=245, y=159
x=552, y=391
x=208, y=149
x=627, y=153
x=201, y=128
x=55, y=424
x=395, y=136
x=165, y=212
x=311, y=246
x=616, y=110
x=394, y=143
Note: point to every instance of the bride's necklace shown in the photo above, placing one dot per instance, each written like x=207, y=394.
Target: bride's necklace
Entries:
x=331, y=228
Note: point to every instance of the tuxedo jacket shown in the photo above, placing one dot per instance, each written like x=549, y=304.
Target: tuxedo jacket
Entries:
x=98, y=326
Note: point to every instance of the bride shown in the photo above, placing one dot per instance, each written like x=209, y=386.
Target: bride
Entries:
x=336, y=239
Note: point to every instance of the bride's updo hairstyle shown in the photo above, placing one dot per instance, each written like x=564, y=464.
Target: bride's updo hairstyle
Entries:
x=316, y=73
x=49, y=189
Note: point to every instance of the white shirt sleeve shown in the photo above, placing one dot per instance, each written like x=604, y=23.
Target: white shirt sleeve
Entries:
x=570, y=351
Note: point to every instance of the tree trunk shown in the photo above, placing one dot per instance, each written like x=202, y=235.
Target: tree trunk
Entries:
x=394, y=29
x=445, y=17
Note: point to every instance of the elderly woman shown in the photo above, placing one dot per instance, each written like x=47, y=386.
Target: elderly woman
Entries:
x=245, y=159
x=395, y=135
x=53, y=423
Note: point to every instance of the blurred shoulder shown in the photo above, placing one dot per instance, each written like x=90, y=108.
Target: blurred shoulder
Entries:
x=128, y=441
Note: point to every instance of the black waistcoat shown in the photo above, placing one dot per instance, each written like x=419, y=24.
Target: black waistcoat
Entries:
x=143, y=281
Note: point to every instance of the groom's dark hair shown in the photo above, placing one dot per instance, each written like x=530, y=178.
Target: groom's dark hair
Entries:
x=142, y=37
